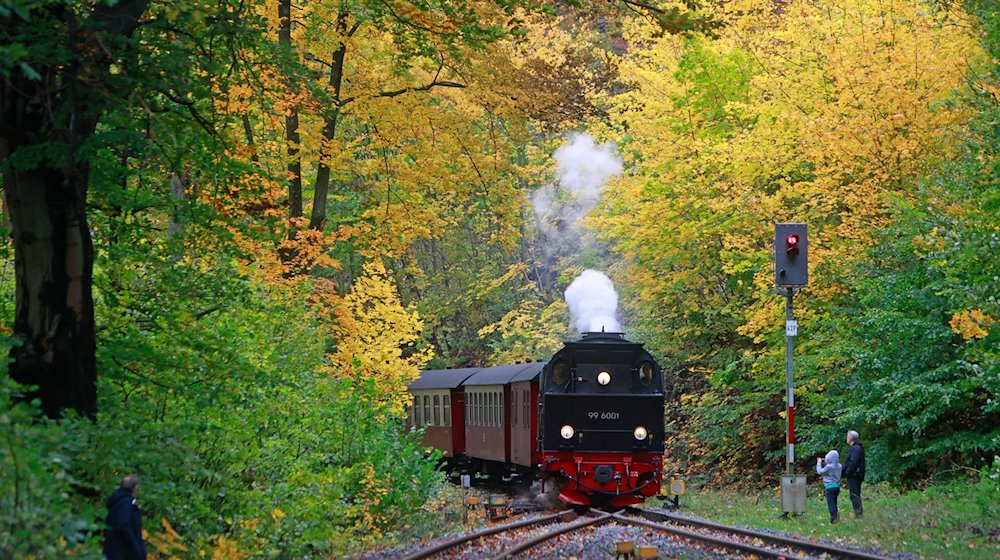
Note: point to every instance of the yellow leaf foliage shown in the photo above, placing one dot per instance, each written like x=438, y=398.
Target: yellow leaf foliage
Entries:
x=818, y=112
x=406, y=160
x=375, y=336
x=373, y=490
x=167, y=541
x=530, y=331
x=971, y=323
x=168, y=544
x=225, y=549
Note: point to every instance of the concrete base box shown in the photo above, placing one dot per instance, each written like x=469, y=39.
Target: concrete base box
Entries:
x=793, y=494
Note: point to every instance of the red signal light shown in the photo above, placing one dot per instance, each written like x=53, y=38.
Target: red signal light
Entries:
x=793, y=246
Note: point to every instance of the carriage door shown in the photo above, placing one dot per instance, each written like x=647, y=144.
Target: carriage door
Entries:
x=520, y=425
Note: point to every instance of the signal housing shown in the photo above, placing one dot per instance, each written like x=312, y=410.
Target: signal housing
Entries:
x=791, y=254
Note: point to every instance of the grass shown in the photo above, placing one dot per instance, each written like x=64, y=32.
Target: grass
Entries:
x=954, y=520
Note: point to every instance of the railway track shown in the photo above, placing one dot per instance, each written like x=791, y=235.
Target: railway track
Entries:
x=597, y=534
x=523, y=533
x=743, y=541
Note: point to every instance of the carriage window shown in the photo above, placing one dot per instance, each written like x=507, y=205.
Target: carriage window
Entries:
x=475, y=409
x=427, y=409
x=416, y=411
x=447, y=409
x=437, y=410
x=513, y=411
x=495, y=416
x=500, y=409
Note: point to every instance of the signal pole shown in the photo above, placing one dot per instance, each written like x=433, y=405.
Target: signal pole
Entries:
x=791, y=270
x=791, y=329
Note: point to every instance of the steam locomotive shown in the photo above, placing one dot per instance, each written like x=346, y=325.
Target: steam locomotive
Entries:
x=589, y=422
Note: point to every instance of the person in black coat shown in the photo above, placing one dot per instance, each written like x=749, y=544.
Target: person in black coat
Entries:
x=854, y=470
x=123, y=526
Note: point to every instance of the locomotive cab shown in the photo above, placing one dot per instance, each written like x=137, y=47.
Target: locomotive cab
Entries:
x=602, y=431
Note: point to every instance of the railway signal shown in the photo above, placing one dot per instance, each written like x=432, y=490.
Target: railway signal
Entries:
x=791, y=271
x=791, y=254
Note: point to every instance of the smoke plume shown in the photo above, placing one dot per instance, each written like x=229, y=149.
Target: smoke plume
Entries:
x=593, y=303
x=582, y=169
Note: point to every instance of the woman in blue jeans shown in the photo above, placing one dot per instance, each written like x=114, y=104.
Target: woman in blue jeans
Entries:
x=830, y=468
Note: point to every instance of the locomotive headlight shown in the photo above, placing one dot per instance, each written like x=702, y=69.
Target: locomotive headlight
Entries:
x=640, y=433
x=567, y=431
x=604, y=378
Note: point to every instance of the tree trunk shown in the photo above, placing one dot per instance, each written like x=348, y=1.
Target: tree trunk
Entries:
x=53, y=113
x=54, y=317
x=292, y=138
x=322, y=189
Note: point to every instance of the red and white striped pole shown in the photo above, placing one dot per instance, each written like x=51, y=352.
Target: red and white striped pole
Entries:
x=791, y=329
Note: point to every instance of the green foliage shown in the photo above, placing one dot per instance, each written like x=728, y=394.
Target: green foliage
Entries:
x=237, y=437
x=923, y=374
x=226, y=378
x=713, y=82
x=39, y=517
x=212, y=383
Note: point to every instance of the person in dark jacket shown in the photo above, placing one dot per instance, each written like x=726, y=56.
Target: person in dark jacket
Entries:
x=123, y=526
x=854, y=471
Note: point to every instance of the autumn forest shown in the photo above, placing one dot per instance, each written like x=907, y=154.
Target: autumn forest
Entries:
x=234, y=231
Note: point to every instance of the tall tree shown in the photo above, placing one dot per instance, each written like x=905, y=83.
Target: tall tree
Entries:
x=292, y=138
x=57, y=83
x=109, y=99
x=353, y=57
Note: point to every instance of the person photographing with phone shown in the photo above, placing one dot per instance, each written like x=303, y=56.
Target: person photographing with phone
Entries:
x=830, y=468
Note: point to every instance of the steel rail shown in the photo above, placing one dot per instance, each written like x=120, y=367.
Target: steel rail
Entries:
x=452, y=543
x=799, y=544
x=700, y=537
x=535, y=541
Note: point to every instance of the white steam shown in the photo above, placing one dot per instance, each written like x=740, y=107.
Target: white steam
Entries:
x=593, y=303
x=582, y=169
